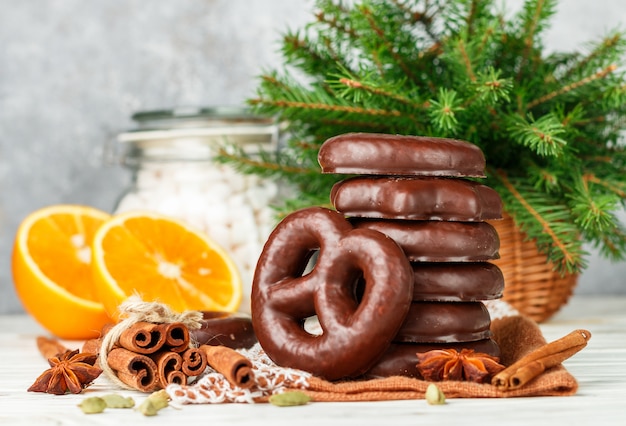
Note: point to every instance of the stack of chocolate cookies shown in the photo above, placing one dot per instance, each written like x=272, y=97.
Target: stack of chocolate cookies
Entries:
x=421, y=192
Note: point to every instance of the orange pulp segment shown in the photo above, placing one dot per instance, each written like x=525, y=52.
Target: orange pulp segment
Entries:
x=51, y=266
x=165, y=260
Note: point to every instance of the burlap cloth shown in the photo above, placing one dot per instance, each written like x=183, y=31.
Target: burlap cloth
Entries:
x=515, y=334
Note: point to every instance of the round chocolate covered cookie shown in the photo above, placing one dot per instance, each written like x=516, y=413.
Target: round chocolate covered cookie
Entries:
x=445, y=322
x=384, y=154
x=457, y=282
x=416, y=199
x=400, y=358
x=433, y=241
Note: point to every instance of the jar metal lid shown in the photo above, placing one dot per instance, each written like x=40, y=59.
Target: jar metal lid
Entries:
x=199, y=117
x=192, y=133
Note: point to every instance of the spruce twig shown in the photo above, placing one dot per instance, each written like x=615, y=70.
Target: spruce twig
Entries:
x=572, y=86
x=550, y=125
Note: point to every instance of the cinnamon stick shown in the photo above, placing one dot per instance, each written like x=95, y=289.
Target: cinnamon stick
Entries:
x=50, y=348
x=136, y=370
x=105, y=329
x=143, y=337
x=236, y=368
x=92, y=346
x=194, y=362
x=176, y=336
x=169, y=366
x=541, y=359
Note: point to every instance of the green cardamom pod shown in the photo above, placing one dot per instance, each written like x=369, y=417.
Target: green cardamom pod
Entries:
x=289, y=399
x=115, y=400
x=147, y=408
x=160, y=399
x=434, y=395
x=153, y=403
x=92, y=405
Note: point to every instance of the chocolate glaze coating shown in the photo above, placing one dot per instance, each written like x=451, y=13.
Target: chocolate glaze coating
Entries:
x=354, y=334
x=416, y=199
x=435, y=241
x=445, y=322
x=384, y=154
x=457, y=282
x=400, y=358
x=225, y=329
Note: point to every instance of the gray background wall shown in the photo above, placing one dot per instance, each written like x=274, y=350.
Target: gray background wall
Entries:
x=72, y=72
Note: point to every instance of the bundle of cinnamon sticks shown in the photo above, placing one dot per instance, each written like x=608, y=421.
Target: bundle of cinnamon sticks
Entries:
x=150, y=356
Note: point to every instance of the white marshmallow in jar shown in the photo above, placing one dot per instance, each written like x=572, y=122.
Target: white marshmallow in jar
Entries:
x=172, y=155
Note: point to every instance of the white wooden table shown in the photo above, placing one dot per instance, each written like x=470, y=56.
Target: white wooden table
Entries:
x=600, y=369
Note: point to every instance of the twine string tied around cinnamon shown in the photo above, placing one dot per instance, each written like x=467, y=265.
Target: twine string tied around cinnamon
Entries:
x=132, y=311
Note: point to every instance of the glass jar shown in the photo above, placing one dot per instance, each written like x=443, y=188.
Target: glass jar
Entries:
x=172, y=158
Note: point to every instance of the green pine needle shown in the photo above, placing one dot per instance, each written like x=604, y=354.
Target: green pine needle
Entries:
x=541, y=135
x=443, y=111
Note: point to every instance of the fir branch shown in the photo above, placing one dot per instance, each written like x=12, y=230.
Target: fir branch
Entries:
x=535, y=12
x=304, y=106
x=490, y=88
x=530, y=28
x=592, y=211
x=618, y=189
x=246, y=164
x=367, y=12
x=541, y=135
x=305, y=55
x=571, y=118
x=416, y=17
x=572, y=86
x=360, y=86
x=471, y=17
x=606, y=47
x=443, y=111
x=568, y=258
x=544, y=179
x=553, y=125
x=271, y=79
x=466, y=60
x=485, y=40
x=369, y=125
x=347, y=85
x=337, y=24
x=612, y=245
x=294, y=101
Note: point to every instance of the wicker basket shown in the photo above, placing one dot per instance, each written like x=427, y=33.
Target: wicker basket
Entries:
x=531, y=284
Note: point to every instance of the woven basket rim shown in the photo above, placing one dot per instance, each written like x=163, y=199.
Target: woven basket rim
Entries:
x=532, y=284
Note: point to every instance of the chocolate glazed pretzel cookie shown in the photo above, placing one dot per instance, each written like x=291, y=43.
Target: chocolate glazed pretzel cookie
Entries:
x=383, y=154
x=356, y=329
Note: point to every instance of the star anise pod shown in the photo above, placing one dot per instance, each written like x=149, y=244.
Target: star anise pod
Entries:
x=450, y=364
x=70, y=372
